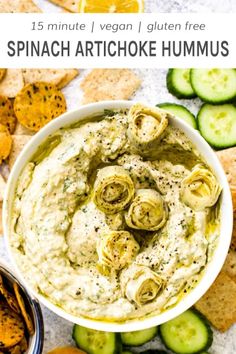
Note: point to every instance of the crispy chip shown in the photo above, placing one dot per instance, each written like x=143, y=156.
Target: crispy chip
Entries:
x=7, y=115
x=230, y=265
x=21, y=303
x=11, y=327
x=228, y=159
x=233, y=241
x=11, y=300
x=5, y=143
x=2, y=73
x=218, y=305
x=12, y=83
x=19, y=141
x=16, y=350
x=109, y=84
x=57, y=77
x=21, y=130
x=23, y=345
x=37, y=104
x=18, y=6
x=70, y=5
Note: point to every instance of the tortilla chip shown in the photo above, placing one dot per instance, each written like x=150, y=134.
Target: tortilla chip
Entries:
x=37, y=104
x=2, y=188
x=5, y=143
x=228, y=159
x=230, y=265
x=2, y=73
x=218, y=305
x=70, y=5
x=11, y=327
x=10, y=299
x=16, y=350
x=233, y=240
x=18, y=142
x=57, y=77
x=7, y=115
x=26, y=316
x=12, y=83
x=109, y=84
x=18, y=6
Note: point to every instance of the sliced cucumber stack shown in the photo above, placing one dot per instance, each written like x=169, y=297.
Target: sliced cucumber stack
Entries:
x=96, y=342
x=214, y=86
x=217, y=124
x=179, y=111
x=138, y=337
x=188, y=333
x=178, y=83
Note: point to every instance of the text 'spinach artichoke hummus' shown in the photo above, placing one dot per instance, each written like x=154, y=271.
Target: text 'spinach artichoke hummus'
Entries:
x=116, y=218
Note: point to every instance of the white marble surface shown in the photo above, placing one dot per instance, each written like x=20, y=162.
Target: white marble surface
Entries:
x=152, y=91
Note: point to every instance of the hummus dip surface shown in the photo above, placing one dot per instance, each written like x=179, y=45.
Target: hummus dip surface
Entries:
x=116, y=217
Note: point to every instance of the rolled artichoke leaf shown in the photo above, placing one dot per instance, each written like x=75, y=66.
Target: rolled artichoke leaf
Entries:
x=113, y=189
x=148, y=211
x=200, y=189
x=141, y=284
x=116, y=249
x=146, y=126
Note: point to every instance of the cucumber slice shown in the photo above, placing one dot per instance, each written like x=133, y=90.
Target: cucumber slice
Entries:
x=214, y=85
x=96, y=342
x=188, y=333
x=178, y=83
x=179, y=111
x=217, y=124
x=138, y=337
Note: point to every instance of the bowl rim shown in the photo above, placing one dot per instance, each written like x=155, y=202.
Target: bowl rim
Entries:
x=212, y=269
x=37, y=340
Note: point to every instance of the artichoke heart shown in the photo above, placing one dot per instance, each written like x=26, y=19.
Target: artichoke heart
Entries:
x=140, y=284
x=148, y=211
x=200, y=189
x=116, y=249
x=146, y=127
x=113, y=189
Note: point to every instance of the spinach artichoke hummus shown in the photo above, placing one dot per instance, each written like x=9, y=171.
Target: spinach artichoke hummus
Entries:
x=116, y=218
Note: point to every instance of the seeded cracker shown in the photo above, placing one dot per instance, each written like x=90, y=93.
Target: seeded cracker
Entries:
x=57, y=77
x=7, y=115
x=70, y=5
x=37, y=104
x=11, y=327
x=109, y=84
x=230, y=265
x=21, y=130
x=228, y=159
x=18, y=142
x=10, y=299
x=20, y=300
x=5, y=143
x=12, y=83
x=18, y=6
x=2, y=73
x=219, y=303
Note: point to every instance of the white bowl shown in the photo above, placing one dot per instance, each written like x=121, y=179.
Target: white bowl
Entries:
x=212, y=269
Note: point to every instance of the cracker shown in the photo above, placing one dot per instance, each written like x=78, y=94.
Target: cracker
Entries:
x=11, y=327
x=2, y=73
x=109, y=84
x=18, y=6
x=230, y=265
x=69, y=5
x=228, y=159
x=57, y=77
x=218, y=305
x=18, y=143
x=25, y=315
x=37, y=104
x=5, y=143
x=7, y=115
x=233, y=240
x=12, y=83
x=2, y=187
